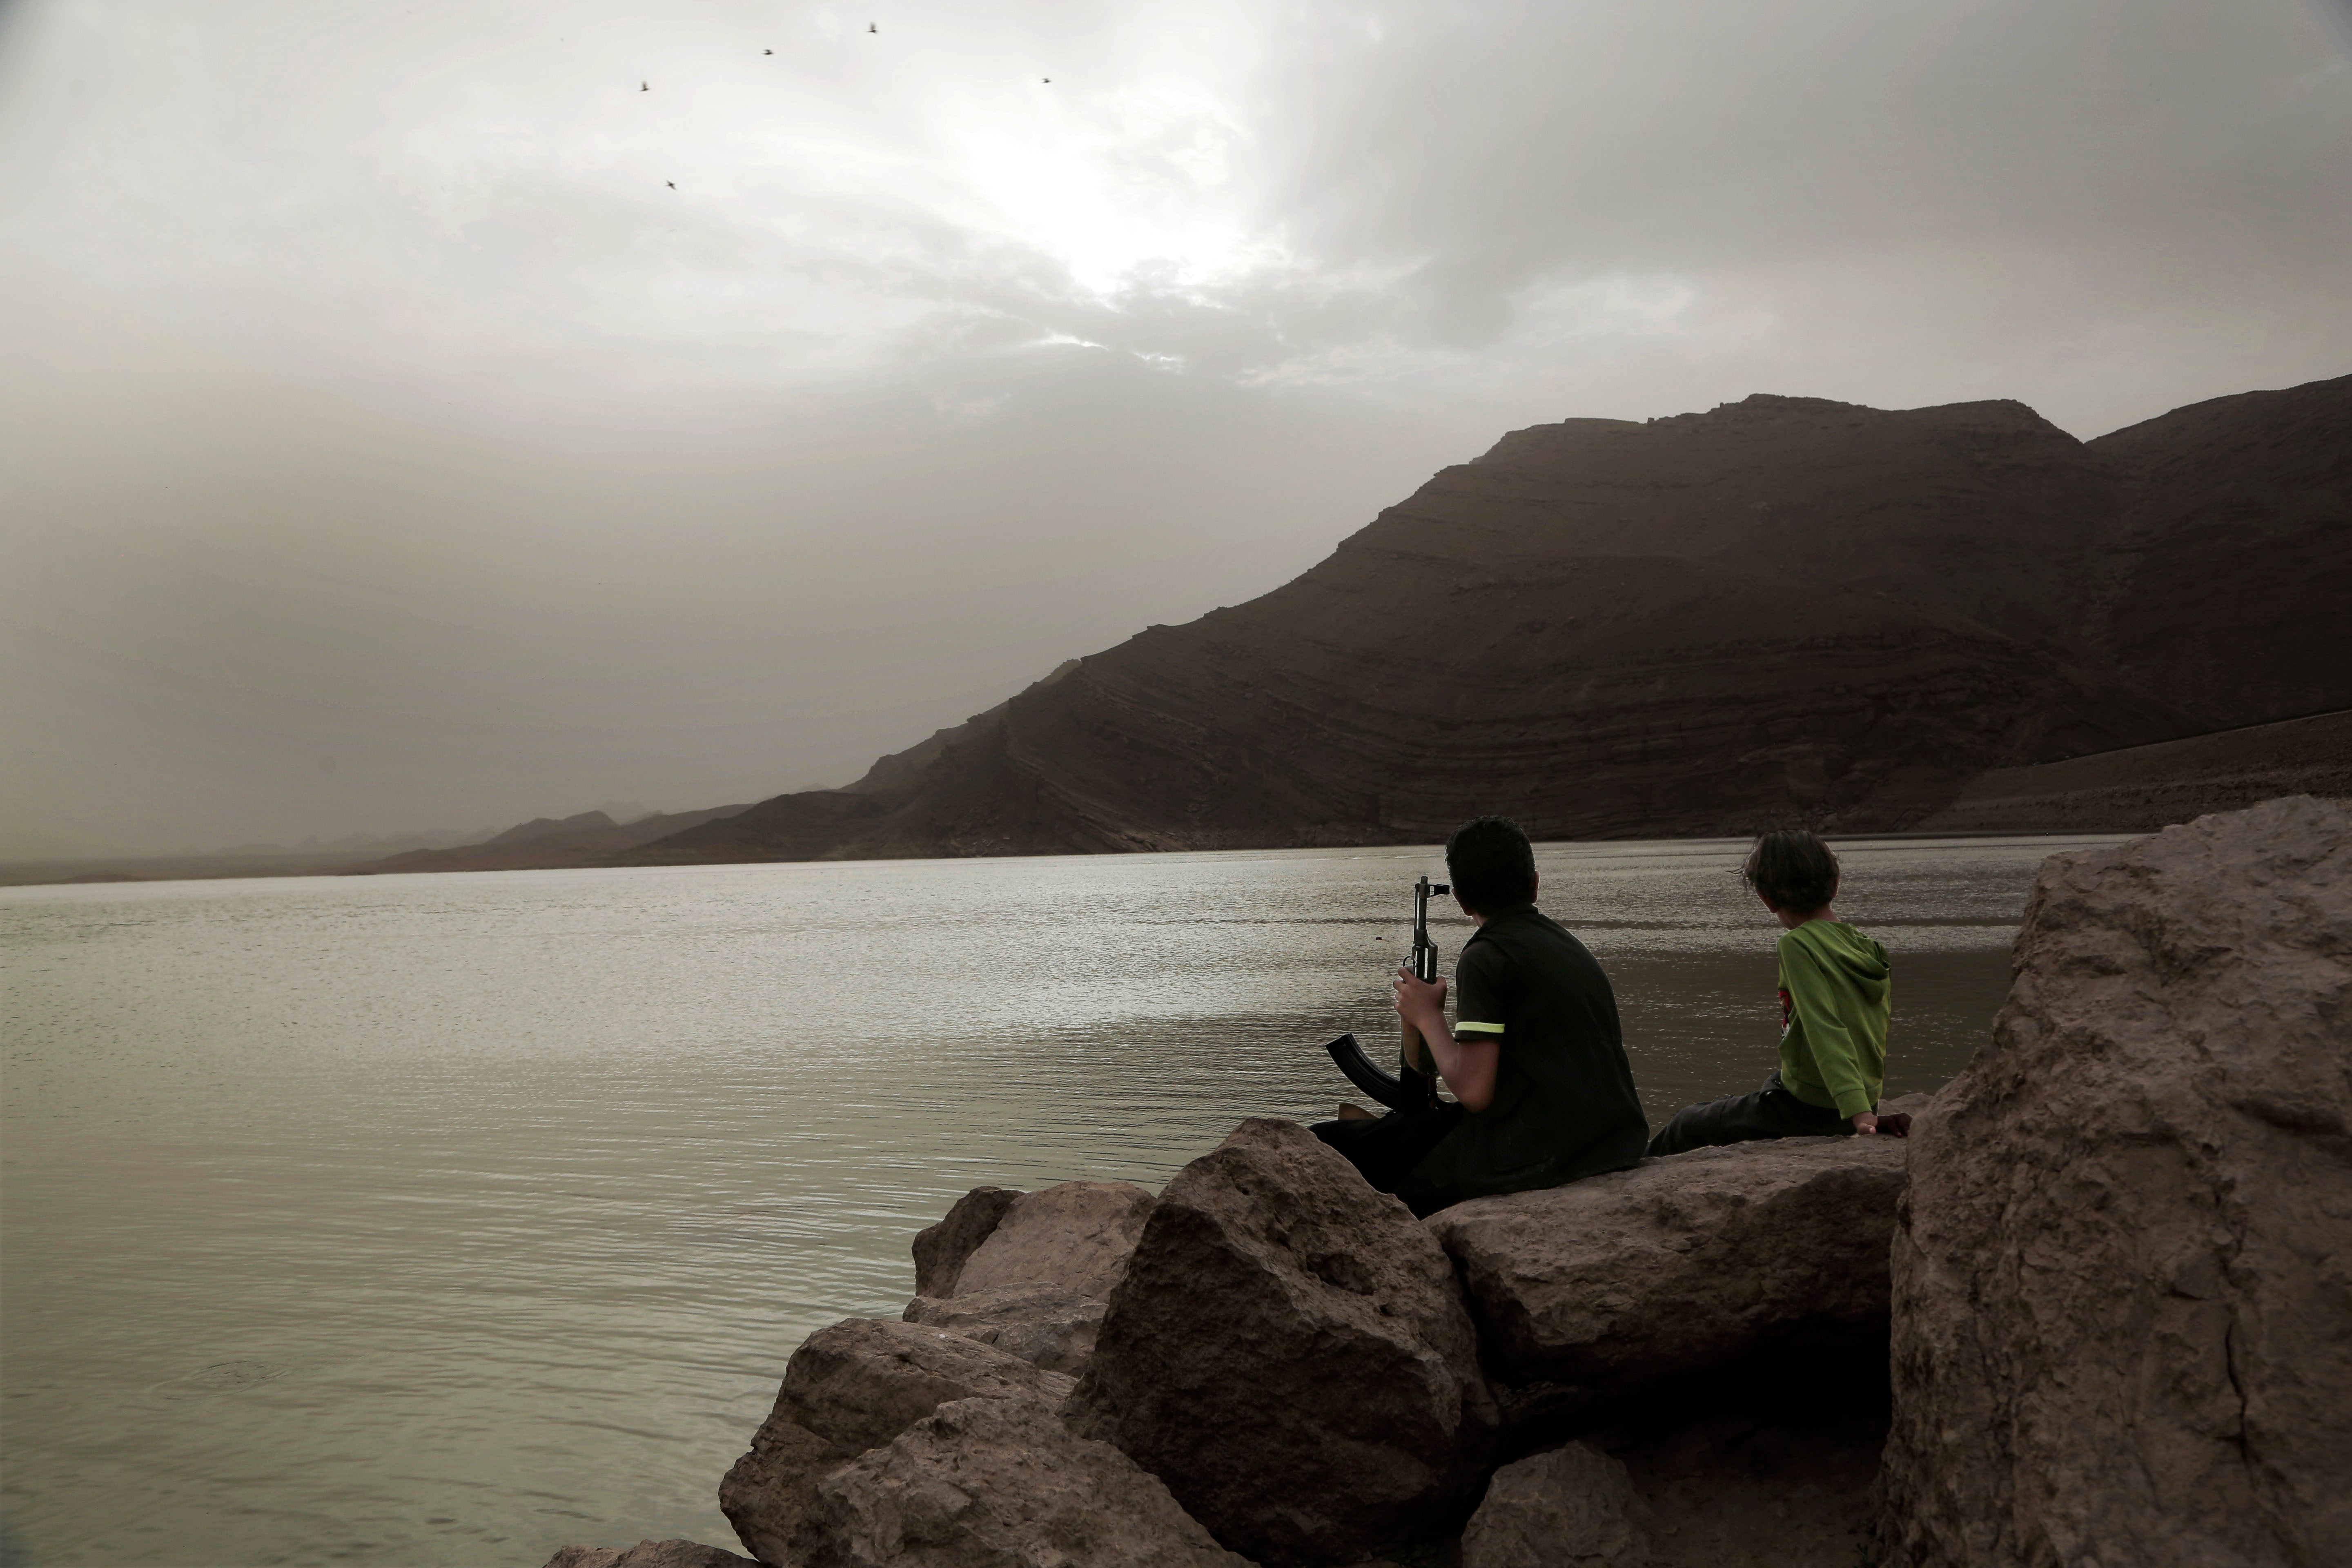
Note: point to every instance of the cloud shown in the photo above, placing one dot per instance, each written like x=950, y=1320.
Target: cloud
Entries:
x=528, y=387
x=1245, y=191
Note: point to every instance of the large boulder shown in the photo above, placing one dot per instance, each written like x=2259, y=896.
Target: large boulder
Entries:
x=1048, y=1326
x=1571, y=1507
x=2123, y=1271
x=1002, y=1483
x=1681, y=1266
x=1290, y=1353
x=849, y=1388
x=649, y=1554
x=942, y=1249
x=1076, y=1235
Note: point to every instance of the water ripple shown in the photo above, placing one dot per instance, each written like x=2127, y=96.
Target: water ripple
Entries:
x=436, y=1220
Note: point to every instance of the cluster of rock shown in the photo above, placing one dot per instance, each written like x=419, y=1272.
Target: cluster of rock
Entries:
x=2109, y=1263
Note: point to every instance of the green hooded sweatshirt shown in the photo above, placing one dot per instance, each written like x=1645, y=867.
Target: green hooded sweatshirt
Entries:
x=1834, y=997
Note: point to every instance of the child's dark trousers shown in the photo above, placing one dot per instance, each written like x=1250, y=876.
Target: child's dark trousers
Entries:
x=1388, y=1149
x=1770, y=1113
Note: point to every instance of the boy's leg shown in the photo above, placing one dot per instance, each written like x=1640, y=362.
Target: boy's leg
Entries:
x=1387, y=1149
x=1770, y=1113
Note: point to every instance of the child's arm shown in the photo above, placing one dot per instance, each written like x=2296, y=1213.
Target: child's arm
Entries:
x=1466, y=1065
x=1812, y=995
x=1470, y=1053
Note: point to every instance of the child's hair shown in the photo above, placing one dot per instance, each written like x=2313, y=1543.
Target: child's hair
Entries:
x=1491, y=865
x=1794, y=870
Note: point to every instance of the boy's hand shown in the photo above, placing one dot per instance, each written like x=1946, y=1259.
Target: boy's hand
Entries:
x=1413, y=993
x=1865, y=1123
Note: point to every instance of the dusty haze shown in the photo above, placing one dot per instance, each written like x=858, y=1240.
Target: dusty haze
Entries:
x=388, y=445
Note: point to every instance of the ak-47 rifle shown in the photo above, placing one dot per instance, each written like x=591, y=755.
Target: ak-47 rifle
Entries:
x=1414, y=1087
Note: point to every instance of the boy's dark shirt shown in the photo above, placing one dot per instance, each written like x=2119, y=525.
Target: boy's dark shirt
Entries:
x=1564, y=1105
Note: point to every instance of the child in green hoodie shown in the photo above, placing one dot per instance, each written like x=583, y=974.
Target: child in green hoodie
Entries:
x=1835, y=992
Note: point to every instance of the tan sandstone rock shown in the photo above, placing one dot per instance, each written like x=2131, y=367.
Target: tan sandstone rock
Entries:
x=767, y=1494
x=649, y=1554
x=1682, y=1264
x=849, y=1388
x=1563, y=1510
x=1290, y=1353
x=1002, y=1483
x=942, y=1249
x=1076, y=1235
x=1048, y=1326
x=2123, y=1276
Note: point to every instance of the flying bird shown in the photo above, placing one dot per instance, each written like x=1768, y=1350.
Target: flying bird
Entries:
x=1048, y=80
x=673, y=184
x=873, y=27
x=645, y=87
x=767, y=51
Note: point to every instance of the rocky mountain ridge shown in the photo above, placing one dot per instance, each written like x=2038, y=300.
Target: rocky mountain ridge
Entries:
x=1784, y=609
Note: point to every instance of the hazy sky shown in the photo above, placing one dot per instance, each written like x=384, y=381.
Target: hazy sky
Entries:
x=385, y=444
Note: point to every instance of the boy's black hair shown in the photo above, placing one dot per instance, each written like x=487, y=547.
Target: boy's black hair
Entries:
x=1491, y=866
x=1794, y=870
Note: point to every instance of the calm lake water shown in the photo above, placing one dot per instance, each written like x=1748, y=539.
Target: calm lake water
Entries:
x=449, y=1219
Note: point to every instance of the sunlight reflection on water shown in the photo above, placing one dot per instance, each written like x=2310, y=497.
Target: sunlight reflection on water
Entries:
x=414, y=1220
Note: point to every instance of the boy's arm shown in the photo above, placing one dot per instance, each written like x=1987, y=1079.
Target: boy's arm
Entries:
x=1468, y=1054
x=1813, y=995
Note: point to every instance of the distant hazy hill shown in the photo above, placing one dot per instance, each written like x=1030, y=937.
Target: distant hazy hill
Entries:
x=545, y=841
x=1783, y=609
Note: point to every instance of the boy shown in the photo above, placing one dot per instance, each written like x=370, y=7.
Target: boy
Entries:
x=1543, y=1093
x=1834, y=995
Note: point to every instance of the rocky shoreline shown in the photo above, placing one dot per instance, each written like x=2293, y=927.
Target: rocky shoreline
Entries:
x=2094, y=1311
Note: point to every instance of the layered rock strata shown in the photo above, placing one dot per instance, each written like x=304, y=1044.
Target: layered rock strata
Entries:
x=2143, y=788
x=1782, y=608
